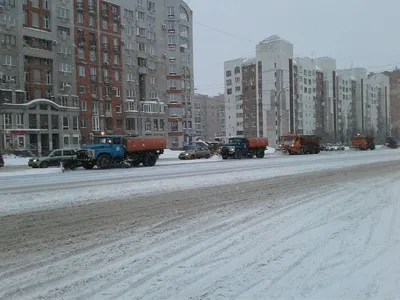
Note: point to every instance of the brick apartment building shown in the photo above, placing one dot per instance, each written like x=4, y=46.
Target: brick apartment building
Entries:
x=99, y=72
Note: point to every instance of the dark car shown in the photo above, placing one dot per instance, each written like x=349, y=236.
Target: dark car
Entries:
x=1, y=160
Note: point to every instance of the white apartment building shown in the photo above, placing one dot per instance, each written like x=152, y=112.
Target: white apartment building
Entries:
x=233, y=97
x=307, y=69
x=273, y=89
x=346, y=104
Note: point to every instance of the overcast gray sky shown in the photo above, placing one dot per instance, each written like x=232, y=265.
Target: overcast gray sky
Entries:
x=363, y=31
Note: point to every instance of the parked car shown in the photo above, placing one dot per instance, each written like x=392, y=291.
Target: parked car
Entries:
x=54, y=158
x=1, y=160
x=195, y=153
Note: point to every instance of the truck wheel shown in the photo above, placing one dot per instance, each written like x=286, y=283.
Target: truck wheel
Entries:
x=103, y=162
x=135, y=163
x=260, y=154
x=88, y=166
x=372, y=147
x=238, y=154
x=150, y=160
x=207, y=156
x=317, y=151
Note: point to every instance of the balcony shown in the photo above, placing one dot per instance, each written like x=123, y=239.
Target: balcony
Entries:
x=116, y=49
x=79, y=6
x=106, y=47
x=93, y=78
x=107, y=80
x=105, y=13
x=115, y=16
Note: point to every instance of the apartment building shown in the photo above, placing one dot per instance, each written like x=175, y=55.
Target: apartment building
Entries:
x=394, y=111
x=249, y=98
x=307, y=92
x=233, y=97
x=98, y=68
x=158, y=55
x=274, y=57
x=209, y=116
x=35, y=56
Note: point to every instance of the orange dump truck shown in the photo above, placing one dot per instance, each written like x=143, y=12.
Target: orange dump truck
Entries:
x=300, y=144
x=363, y=142
x=239, y=147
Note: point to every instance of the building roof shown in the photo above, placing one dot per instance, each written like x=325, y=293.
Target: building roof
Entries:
x=273, y=38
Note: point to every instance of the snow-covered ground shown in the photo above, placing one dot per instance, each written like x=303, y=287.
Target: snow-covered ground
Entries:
x=321, y=235
x=40, y=189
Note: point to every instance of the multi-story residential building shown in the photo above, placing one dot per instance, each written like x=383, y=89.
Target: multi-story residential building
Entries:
x=233, y=97
x=144, y=69
x=98, y=51
x=275, y=88
x=159, y=57
x=394, y=102
x=36, y=50
x=209, y=116
x=307, y=92
x=249, y=98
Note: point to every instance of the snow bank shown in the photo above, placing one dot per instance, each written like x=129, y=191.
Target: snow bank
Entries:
x=168, y=154
x=12, y=160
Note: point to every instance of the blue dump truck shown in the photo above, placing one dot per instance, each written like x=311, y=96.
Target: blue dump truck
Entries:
x=116, y=150
x=240, y=147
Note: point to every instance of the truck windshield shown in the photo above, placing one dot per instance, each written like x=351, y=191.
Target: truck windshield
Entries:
x=235, y=140
x=102, y=140
x=287, y=138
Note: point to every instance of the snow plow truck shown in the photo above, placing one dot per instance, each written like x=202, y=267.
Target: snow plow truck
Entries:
x=115, y=150
x=240, y=147
x=363, y=142
x=299, y=144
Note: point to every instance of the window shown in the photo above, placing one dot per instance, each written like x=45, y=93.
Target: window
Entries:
x=82, y=72
x=171, y=39
x=172, y=84
x=140, y=15
x=79, y=18
x=116, y=60
x=63, y=13
x=152, y=80
x=46, y=22
x=139, y=2
x=117, y=76
x=142, y=47
x=95, y=123
x=91, y=20
x=83, y=105
x=130, y=77
x=35, y=3
x=171, y=25
x=92, y=55
x=151, y=20
x=83, y=122
x=174, y=126
x=115, y=27
x=117, y=92
x=118, y=109
x=65, y=122
x=35, y=19
x=75, y=123
x=228, y=73
x=130, y=106
x=147, y=125
x=105, y=24
x=130, y=93
x=237, y=70
x=229, y=91
x=151, y=5
x=129, y=14
x=153, y=95
x=171, y=69
x=8, y=60
x=151, y=50
x=171, y=11
x=81, y=89
x=66, y=68
x=141, y=31
x=130, y=124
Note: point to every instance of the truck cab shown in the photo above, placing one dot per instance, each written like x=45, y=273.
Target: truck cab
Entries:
x=239, y=147
x=105, y=149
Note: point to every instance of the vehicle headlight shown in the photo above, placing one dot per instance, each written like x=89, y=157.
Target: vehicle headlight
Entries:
x=187, y=154
x=35, y=160
x=232, y=148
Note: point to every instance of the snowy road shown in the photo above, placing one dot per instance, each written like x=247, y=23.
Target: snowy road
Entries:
x=49, y=188
x=332, y=234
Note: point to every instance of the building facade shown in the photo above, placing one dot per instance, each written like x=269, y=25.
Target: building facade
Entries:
x=158, y=56
x=36, y=58
x=209, y=116
x=394, y=102
x=274, y=57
